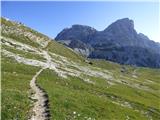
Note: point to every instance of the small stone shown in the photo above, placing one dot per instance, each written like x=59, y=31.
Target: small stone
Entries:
x=89, y=118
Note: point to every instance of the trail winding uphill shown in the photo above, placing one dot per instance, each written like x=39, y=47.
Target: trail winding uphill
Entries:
x=41, y=108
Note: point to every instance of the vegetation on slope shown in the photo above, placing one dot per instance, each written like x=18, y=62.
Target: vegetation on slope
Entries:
x=97, y=101
x=130, y=93
x=72, y=98
x=15, y=89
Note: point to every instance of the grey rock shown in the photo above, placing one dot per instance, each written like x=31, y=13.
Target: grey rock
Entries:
x=119, y=42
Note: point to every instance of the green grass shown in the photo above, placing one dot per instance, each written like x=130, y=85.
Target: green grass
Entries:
x=105, y=64
x=23, y=53
x=25, y=28
x=22, y=39
x=15, y=89
x=72, y=94
x=7, y=23
x=60, y=49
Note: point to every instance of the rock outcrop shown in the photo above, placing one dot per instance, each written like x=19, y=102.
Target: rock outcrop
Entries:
x=119, y=42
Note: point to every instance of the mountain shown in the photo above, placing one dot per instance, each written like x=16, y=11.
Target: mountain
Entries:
x=79, y=36
x=119, y=42
x=42, y=79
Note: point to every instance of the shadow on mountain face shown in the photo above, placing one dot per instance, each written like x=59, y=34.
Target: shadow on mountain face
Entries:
x=119, y=42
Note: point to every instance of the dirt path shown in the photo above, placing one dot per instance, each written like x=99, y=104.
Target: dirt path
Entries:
x=40, y=109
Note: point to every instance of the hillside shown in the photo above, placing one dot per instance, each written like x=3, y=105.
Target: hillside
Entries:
x=119, y=42
x=42, y=79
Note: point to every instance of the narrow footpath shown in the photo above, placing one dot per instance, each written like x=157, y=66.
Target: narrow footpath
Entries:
x=41, y=108
x=40, y=97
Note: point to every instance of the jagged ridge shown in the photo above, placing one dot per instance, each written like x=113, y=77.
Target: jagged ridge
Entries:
x=119, y=42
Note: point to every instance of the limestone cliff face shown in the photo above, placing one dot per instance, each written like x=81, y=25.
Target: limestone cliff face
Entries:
x=119, y=42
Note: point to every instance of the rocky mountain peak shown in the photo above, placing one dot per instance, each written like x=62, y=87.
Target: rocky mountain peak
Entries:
x=124, y=25
x=141, y=35
x=77, y=26
x=125, y=22
x=76, y=32
x=119, y=42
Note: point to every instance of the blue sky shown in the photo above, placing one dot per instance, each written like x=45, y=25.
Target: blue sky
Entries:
x=51, y=17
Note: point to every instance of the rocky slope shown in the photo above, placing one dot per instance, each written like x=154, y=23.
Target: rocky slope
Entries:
x=119, y=42
x=45, y=80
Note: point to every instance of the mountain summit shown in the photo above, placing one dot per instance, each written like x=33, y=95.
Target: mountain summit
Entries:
x=125, y=23
x=119, y=42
